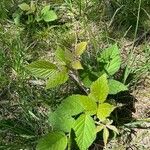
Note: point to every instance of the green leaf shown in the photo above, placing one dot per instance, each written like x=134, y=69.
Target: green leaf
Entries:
x=113, y=128
x=104, y=111
x=53, y=141
x=24, y=7
x=45, y=9
x=42, y=69
x=100, y=89
x=85, y=131
x=68, y=56
x=76, y=104
x=57, y=78
x=60, y=121
x=80, y=48
x=105, y=135
x=116, y=86
x=86, y=81
x=111, y=58
x=33, y=8
x=60, y=56
x=100, y=128
x=63, y=56
x=76, y=65
x=49, y=16
x=16, y=17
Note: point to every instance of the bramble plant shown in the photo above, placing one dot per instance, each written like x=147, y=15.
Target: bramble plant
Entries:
x=84, y=115
x=33, y=14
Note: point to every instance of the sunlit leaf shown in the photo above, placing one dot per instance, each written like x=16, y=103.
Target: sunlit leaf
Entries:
x=105, y=135
x=100, y=89
x=33, y=8
x=99, y=128
x=53, y=141
x=45, y=9
x=63, y=56
x=85, y=131
x=49, y=16
x=60, y=56
x=57, y=78
x=42, y=68
x=76, y=65
x=104, y=111
x=111, y=127
x=76, y=104
x=80, y=48
x=24, y=7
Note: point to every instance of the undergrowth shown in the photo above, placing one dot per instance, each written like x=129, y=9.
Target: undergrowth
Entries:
x=39, y=30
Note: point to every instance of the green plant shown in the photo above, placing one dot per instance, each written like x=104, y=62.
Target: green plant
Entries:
x=58, y=73
x=81, y=113
x=34, y=14
x=84, y=115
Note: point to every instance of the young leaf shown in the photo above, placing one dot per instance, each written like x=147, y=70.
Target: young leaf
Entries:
x=16, y=17
x=49, y=16
x=100, y=89
x=116, y=87
x=41, y=68
x=45, y=9
x=111, y=127
x=111, y=58
x=105, y=135
x=100, y=128
x=80, y=48
x=60, y=56
x=76, y=104
x=61, y=122
x=57, y=78
x=24, y=7
x=33, y=8
x=76, y=65
x=104, y=111
x=85, y=131
x=53, y=141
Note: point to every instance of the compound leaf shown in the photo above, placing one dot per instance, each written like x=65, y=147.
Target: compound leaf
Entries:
x=85, y=131
x=53, y=141
x=104, y=111
x=116, y=87
x=100, y=89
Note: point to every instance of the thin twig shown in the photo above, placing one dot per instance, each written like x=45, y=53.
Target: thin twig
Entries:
x=78, y=82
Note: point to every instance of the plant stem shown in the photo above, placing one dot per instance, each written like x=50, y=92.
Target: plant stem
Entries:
x=78, y=82
x=69, y=141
